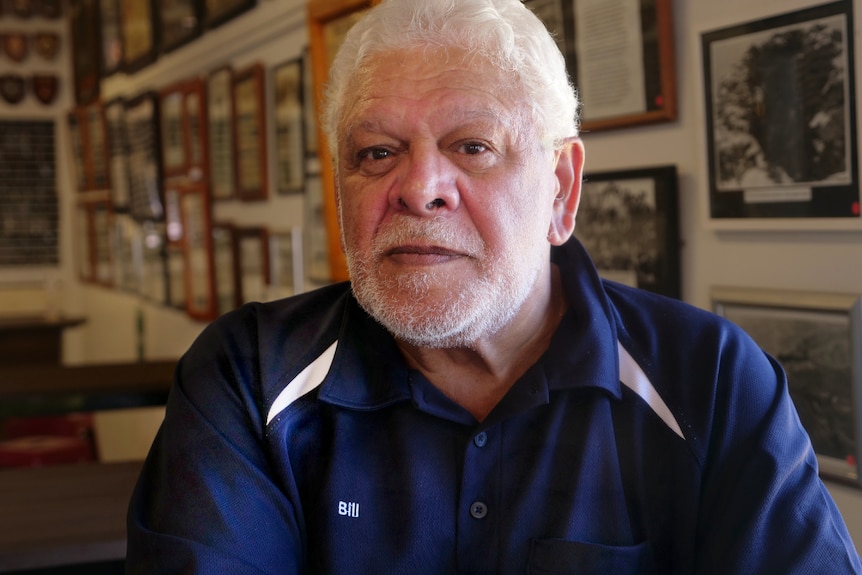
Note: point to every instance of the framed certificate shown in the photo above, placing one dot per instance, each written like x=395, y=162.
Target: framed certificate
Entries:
x=250, y=133
x=200, y=298
x=226, y=262
x=220, y=11
x=286, y=268
x=328, y=23
x=112, y=41
x=253, y=263
x=145, y=167
x=219, y=90
x=179, y=22
x=289, y=127
x=86, y=50
x=173, y=136
x=118, y=153
x=139, y=34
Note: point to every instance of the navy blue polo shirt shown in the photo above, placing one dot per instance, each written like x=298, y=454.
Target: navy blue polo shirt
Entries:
x=651, y=437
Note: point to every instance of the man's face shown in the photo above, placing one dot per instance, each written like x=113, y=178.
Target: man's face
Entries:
x=445, y=197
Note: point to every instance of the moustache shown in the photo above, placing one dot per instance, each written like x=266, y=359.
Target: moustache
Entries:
x=436, y=234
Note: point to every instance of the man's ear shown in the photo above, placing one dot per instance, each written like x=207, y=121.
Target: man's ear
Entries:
x=569, y=172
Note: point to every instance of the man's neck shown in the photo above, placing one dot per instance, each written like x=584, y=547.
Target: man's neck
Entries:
x=477, y=377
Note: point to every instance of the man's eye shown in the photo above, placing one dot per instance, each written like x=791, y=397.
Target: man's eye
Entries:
x=473, y=148
x=374, y=154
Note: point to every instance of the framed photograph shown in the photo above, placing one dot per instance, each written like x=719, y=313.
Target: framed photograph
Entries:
x=118, y=153
x=817, y=338
x=226, y=262
x=628, y=221
x=781, y=121
x=220, y=11
x=286, y=269
x=289, y=127
x=250, y=133
x=111, y=36
x=139, y=32
x=180, y=21
x=200, y=298
x=86, y=50
x=620, y=56
x=253, y=252
x=146, y=201
x=328, y=23
x=219, y=89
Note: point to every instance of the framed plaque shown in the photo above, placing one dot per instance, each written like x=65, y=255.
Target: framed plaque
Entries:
x=196, y=128
x=139, y=33
x=145, y=168
x=173, y=136
x=219, y=91
x=620, y=56
x=289, y=127
x=226, y=263
x=154, y=267
x=86, y=50
x=220, y=11
x=180, y=21
x=112, y=41
x=250, y=133
x=118, y=153
x=201, y=300
x=286, y=269
x=328, y=23
x=253, y=263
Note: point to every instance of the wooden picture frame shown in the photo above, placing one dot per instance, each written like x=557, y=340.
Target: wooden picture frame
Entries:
x=201, y=301
x=94, y=233
x=111, y=37
x=780, y=107
x=180, y=22
x=140, y=34
x=184, y=142
x=226, y=263
x=118, y=153
x=630, y=227
x=817, y=338
x=85, y=38
x=253, y=252
x=173, y=133
x=217, y=12
x=89, y=140
x=289, y=119
x=632, y=84
x=220, y=134
x=286, y=268
x=328, y=22
x=250, y=133
x=143, y=127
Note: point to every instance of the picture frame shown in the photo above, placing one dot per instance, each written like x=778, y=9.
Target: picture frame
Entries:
x=184, y=141
x=89, y=141
x=85, y=36
x=253, y=252
x=328, y=22
x=180, y=21
x=217, y=12
x=154, y=263
x=817, y=338
x=226, y=263
x=126, y=246
x=201, y=302
x=76, y=140
x=95, y=259
x=250, y=133
x=628, y=220
x=286, y=268
x=143, y=128
x=780, y=114
x=621, y=59
x=111, y=37
x=289, y=119
x=222, y=176
x=118, y=153
x=140, y=34
x=173, y=133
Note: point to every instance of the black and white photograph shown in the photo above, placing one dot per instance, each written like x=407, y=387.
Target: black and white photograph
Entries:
x=628, y=222
x=781, y=116
x=815, y=337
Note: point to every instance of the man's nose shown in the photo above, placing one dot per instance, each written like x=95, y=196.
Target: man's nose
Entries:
x=429, y=184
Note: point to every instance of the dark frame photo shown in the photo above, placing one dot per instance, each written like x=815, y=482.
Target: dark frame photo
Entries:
x=628, y=220
x=781, y=120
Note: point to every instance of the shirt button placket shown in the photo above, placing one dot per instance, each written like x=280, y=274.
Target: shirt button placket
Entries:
x=477, y=523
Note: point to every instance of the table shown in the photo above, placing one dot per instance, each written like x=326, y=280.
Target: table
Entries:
x=33, y=339
x=64, y=515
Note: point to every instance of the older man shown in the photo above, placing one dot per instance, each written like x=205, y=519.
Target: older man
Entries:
x=476, y=399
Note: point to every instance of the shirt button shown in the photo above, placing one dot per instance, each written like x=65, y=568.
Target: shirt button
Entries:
x=480, y=439
x=478, y=510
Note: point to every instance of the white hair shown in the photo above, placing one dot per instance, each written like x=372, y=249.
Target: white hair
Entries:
x=503, y=32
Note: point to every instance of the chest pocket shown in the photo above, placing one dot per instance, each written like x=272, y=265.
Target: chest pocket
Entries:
x=560, y=557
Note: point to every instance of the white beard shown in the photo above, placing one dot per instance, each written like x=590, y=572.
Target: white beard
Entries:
x=410, y=305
